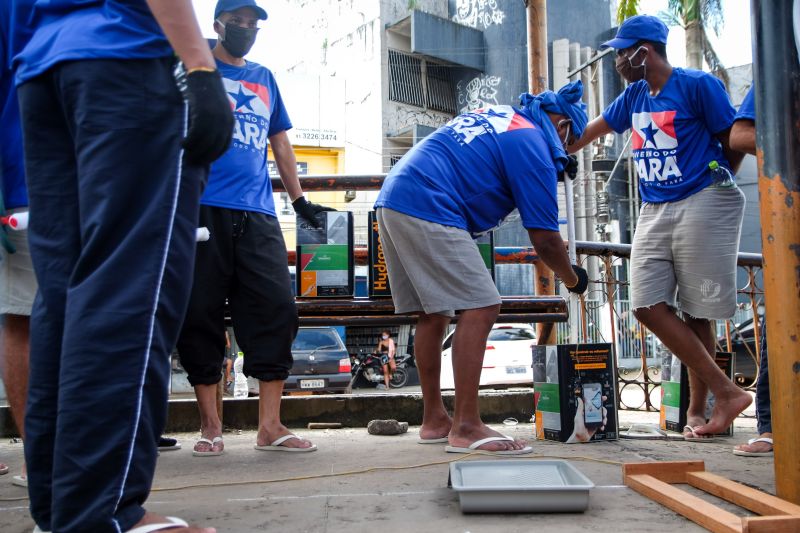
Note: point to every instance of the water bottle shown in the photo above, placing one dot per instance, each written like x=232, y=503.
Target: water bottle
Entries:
x=721, y=177
x=240, y=381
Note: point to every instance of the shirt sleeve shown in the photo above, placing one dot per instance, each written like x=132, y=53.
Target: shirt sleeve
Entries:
x=618, y=114
x=279, y=119
x=747, y=111
x=712, y=104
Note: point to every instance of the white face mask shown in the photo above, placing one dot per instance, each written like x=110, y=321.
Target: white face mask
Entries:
x=384, y=337
x=630, y=57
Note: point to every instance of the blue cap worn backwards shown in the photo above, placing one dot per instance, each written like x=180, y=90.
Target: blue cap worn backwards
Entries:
x=638, y=28
x=224, y=6
x=567, y=102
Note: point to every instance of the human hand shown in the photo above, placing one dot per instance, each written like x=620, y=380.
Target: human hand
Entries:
x=570, y=169
x=210, y=117
x=580, y=433
x=583, y=280
x=309, y=210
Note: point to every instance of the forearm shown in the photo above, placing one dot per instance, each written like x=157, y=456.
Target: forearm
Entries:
x=595, y=129
x=733, y=156
x=287, y=164
x=179, y=23
x=550, y=248
x=743, y=136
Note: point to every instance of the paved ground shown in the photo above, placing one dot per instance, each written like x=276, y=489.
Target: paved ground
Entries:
x=331, y=493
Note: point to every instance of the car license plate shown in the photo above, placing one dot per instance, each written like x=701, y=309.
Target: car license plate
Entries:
x=515, y=370
x=312, y=383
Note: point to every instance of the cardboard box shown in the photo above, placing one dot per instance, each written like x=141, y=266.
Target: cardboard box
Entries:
x=378, y=277
x=486, y=247
x=675, y=390
x=575, y=389
x=325, y=255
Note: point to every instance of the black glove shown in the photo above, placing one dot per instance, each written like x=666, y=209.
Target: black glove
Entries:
x=210, y=117
x=583, y=280
x=308, y=211
x=570, y=169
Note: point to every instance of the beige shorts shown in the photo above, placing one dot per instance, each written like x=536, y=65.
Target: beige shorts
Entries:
x=17, y=281
x=687, y=251
x=433, y=268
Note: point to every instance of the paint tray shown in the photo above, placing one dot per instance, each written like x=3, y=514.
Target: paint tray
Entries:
x=520, y=486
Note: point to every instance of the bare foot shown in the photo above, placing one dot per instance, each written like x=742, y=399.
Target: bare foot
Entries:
x=693, y=421
x=436, y=429
x=726, y=409
x=756, y=446
x=465, y=435
x=152, y=518
x=268, y=435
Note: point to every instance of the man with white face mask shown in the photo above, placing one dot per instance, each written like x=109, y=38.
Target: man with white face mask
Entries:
x=245, y=259
x=687, y=237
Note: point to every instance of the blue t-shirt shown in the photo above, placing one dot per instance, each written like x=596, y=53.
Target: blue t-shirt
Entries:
x=12, y=168
x=66, y=30
x=674, y=132
x=239, y=179
x=472, y=172
x=747, y=111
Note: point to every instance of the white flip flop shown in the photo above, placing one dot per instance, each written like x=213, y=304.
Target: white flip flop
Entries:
x=744, y=453
x=173, y=523
x=275, y=446
x=474, y=447
x=438, y=440
x=211, y=452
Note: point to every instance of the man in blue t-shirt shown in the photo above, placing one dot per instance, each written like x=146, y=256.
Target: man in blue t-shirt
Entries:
x=463, y=180
x=687, y=235
x=114, y=182
x=245, y=261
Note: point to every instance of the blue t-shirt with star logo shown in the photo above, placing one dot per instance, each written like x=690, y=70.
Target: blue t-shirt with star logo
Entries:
x=472, y=172
x=239, y=179
x=673, y=138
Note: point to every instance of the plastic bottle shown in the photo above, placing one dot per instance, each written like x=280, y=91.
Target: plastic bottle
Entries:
x=17, y=221
x=240, y=388
x=721, y=177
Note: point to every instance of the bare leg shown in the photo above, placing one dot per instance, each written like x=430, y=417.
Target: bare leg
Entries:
x=269, y=416
x=469, y=347
x=428, y=339
x=386, y=375
x=15, y=345
x=210, y=424
x=698, y=390
x=683, y=341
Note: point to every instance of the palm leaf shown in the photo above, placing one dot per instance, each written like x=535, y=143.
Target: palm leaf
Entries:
x=713, y=61
x=627, y=9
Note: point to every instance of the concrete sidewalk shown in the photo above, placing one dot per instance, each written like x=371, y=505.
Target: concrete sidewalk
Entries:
x=411, y=497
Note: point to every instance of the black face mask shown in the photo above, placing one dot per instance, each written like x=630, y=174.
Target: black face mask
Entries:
x=238, y=41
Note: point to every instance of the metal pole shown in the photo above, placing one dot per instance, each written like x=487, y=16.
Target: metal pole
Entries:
x=777, y=81
x=544, y=280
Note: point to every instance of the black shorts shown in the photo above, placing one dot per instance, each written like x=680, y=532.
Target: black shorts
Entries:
x=245, y=262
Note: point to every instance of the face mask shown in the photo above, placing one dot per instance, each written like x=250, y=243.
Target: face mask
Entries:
x=565, y=140
x=384, y=337
x=237, y=40
x=630, y=58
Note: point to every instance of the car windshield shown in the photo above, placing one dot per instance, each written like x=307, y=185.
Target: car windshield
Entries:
x=511, y=334
x=311, y=339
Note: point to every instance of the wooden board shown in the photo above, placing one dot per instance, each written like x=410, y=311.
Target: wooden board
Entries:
x=666, y=471
x=751, y=499
x=771, y=524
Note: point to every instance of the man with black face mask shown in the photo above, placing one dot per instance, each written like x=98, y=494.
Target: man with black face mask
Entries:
x=687, y=236
x=245, y=259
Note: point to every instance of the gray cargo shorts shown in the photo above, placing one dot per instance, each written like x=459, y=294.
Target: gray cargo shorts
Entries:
x=686, y=251
x=433, y=268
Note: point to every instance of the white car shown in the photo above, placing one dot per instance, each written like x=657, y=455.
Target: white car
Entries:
x=507, y=360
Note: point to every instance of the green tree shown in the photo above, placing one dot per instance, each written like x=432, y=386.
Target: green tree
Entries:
x=627, y=9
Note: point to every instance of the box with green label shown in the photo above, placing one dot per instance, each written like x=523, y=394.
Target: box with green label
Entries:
x=485, y=245
x=325, y=255
x=575, y=392
x=675, y=390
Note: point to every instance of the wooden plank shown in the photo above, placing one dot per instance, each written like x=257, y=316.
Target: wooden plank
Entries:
x=666, y=471
x=751, y=499
x=771, y=524
x=695, y=509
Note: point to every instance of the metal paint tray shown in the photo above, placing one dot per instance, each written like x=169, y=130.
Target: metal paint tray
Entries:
x=520, y=486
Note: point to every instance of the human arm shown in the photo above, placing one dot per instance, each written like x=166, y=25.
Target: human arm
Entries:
x=179, y=23
x=733, y=155
x=743, y=136
x=594, y=130
x=391, y=348
x=550, y=248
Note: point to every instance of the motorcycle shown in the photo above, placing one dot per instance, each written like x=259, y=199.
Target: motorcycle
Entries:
x=369, y=366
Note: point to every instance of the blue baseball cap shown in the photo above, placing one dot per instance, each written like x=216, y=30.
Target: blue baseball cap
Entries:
x=638, y=28
x=224, y=6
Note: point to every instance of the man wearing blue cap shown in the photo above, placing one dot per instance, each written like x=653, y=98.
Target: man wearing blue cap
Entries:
x=245, y=260
x=687, y=236
x=461, y=181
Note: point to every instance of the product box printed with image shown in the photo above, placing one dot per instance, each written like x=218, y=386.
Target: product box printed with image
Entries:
x=675, y=391
x=575, y=392
x=325, y=255
x=378, y=277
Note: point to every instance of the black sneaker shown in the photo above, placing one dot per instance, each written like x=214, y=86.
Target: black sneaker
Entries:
x=166, y=444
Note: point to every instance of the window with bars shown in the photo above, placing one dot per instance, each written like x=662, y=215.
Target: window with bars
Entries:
x=421, y=83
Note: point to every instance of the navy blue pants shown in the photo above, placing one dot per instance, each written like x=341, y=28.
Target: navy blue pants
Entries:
x=112, y=228
x=763, y=410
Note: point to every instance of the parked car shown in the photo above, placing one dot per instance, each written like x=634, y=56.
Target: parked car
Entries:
x=507, y=360
x=321, y=363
